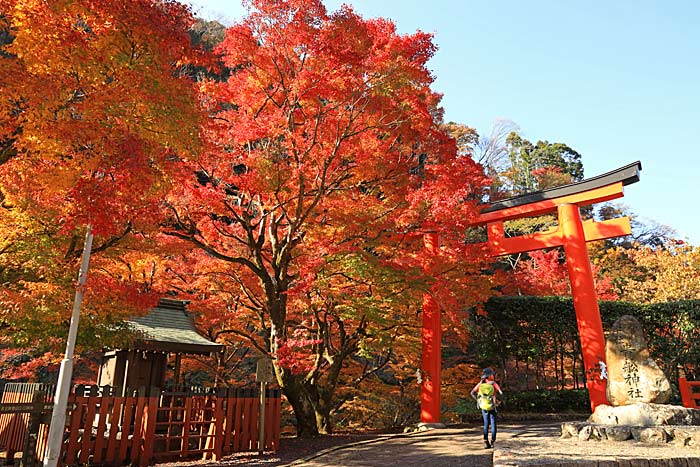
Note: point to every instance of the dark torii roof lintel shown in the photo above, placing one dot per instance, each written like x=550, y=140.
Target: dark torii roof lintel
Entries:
x=627, y=175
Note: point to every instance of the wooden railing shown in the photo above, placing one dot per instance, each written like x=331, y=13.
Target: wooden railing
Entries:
x=141, y=429
x=215, y=425
x=690, y=392
x=13, y=426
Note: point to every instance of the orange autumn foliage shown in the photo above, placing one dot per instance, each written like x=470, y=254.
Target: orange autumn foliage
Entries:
x=93, y=108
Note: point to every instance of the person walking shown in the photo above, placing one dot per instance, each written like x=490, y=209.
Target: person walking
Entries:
x=485, y=394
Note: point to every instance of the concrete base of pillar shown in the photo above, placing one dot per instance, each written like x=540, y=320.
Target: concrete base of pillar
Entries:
x=430, y=426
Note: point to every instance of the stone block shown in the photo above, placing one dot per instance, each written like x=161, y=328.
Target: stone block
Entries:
x=585, y=433
x=618, y=433
x=658, y=462
x=570, y=429
x=607, y=463
x=653, y=435
x=694, y=438
x=681, y=437
x=636, y=431
x=627, y=462
x=677, y=462
x=598, y=433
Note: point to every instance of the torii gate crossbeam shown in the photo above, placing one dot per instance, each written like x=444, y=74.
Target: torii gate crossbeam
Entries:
x=572, y=234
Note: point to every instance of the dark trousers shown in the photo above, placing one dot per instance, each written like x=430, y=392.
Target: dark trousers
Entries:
x=489, y=419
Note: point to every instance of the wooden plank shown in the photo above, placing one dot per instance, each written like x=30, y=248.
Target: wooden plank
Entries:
x=219, y=414
x=16, y=422
x=238, y=423
x=625, y=175
x=269, y=422
x=117, y=406
x=184, y=447
x=126, y=429
x=208, y=449
x=228, y=423
x=87, y=444
x=597, y=195
x=611, y=228
x=277, y=423
x=198, y=421
x=690, y=398
x=247, y=427
x=138, y=419
x=684, y=389
x=29, y=457
x=150, y=415
x=500, y=245
x=43, y=441
x=105, y=404
x=76, y=421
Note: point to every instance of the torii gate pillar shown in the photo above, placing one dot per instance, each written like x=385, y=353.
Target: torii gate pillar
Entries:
x=590, y=326
x=432, y=358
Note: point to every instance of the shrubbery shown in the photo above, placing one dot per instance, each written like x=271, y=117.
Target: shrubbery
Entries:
x=536, y=338
x=535, y=402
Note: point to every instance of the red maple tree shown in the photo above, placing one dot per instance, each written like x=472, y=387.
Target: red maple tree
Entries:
x=323, y=164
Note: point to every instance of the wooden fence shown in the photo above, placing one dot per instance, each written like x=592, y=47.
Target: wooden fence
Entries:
x=142, y=429
x=690, y=393
x=14, y=426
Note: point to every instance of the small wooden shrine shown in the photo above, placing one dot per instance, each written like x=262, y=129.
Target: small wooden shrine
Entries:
x=164, y=334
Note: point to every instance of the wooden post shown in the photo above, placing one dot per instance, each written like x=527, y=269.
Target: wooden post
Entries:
x=263, y=375
x=148, y=426
x=176, y=377
x=261, y=436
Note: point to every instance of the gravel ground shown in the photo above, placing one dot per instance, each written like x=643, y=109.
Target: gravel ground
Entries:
x=540, y=445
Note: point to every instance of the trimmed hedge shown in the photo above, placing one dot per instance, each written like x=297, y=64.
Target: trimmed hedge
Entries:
x=538, y=331
x=539, y=401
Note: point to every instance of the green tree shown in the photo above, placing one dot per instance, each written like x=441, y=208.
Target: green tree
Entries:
x=539, y=166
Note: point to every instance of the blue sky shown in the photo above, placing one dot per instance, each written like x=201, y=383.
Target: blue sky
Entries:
x=616, y=81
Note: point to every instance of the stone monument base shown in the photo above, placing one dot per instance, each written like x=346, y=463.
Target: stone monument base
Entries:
x=647, y=423
x=645, y=414
x=656, y=435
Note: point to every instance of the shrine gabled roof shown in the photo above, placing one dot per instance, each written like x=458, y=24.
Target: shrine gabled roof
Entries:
x=169, y=328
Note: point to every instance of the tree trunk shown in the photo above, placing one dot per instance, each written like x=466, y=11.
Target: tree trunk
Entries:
x=304, y=412
x=311, y=405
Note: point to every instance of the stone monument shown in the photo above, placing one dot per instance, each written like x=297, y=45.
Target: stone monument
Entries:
x=637, y=390
x=633, y=376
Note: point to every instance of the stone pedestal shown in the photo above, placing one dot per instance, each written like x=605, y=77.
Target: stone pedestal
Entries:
x=643, y=414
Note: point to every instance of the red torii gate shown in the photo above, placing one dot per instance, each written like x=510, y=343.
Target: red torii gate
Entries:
x=572, y=233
